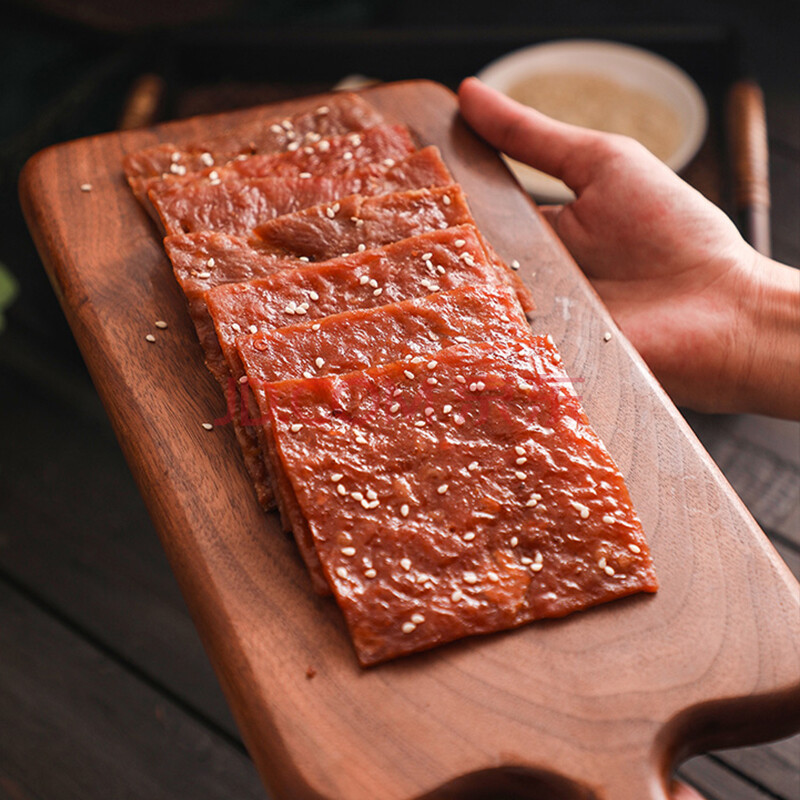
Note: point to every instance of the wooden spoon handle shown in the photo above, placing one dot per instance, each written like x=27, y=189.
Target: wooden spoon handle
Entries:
x=747, y=132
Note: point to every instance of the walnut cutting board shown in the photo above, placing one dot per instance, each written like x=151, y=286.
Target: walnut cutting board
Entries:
x=598, y=705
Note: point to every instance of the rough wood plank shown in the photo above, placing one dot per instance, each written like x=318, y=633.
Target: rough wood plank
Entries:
x=576, y=694
x=775, y=767
x=73, y=529
x=89, y=729
x=715, y=781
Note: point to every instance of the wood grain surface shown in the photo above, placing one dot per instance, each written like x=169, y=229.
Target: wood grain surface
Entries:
x=598, y=705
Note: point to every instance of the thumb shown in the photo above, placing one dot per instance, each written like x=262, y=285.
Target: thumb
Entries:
x=527, y=135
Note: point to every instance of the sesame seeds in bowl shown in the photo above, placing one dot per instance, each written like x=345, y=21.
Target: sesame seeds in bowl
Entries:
x=606, y=86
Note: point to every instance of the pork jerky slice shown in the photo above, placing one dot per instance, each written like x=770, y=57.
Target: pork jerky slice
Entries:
x=364, y=280
x=413, y=329
x=356, y=222
x=377, y=148
x=237, y=205
x=339, y=114
x=505, y=509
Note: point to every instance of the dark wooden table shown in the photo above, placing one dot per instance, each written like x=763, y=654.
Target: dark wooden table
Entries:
x=104, y=688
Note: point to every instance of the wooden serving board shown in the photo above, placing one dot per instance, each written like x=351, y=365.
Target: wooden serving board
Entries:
x=598, y=705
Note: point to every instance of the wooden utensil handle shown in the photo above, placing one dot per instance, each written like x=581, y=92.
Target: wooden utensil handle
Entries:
x=747, y=131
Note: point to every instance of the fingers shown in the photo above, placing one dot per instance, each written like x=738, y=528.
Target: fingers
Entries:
x=544, y=143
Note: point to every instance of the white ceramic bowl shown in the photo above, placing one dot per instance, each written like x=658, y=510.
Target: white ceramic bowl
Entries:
x=628, y=66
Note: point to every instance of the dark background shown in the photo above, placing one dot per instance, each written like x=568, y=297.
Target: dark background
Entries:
x=104, y=688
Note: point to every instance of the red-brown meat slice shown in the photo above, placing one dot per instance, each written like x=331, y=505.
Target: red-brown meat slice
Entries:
x=340, y=114
x=501, y=507
x=358, y=339
x=363, y=280
x=355, y=222
x=236, y=206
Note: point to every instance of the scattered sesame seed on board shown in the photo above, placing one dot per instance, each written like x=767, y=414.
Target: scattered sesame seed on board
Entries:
x=207, y=426
x=159, y=323
x=150, y=338
x=514, y=264
x=86, y=187
x=607, y=336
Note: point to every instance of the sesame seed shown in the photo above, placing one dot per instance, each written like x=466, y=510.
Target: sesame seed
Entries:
x=473, y=466
x=409, y=627
x=275, y=128
x=493, y=577
x=389, y=162
x=373, y=283
x=549, y=339
x=634, y=548
x=443, y=488
x=514, y=264
x=313, y=295
x=607, y=336
x=608, y=519
x=432, y=381
x=357, y=496
x=521, y=460
x=473, y=387
x=207, y=159
x=243, y=379
x=363, y=279
x=361, y=248
x=290, y=309
x=305, y=174
x=461, y=379
x=404, y=510
x=520, y=451
x=417, y=359
x=602, y=562
x=447, y=409
x=323, y=110
x=336, y=477
x=405, y=563
x=308, y=149
x=207, y=426
x=341, y=572
x=395, y=407
x=296, y=427
x=457, y=595
x=533, y=501
x=446, y=200
x=315, y=326
x=320, y=362
x=340, y=488
x=470, y=577
x=150, y=338
x=160, y=324
x=348, y=551
x=514, y=541
x=361, y=440
x=253, y=329
x=370, y=573
x=537, y=566
x=324, y=146
x=428, y=411
x=420, y=423
x=427, y=256
x=417, y=619
x=459, y=242
x=378, y=292
x=86, y=187
x=520, y=475
x=481, y=386
x=580, y=508
x=608, y=570
x=203, y=275
x=458, y=419
x=237, y=327
x=468, y=259
x=176, y=156
x=397, y=392
x=408, y=373
x=372, y=494
x=468, y=536
x=526, y=560
x=292, y=146
x=347, y=156
x=304, y=259
x=330, y=213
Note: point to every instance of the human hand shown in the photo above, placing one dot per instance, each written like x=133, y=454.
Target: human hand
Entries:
x=685, y=288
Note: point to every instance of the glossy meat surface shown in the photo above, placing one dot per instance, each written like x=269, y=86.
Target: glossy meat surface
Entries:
x=358, y=339
x=237, y=205
x=498, y=507
x=327, y=230
x=342, y=113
